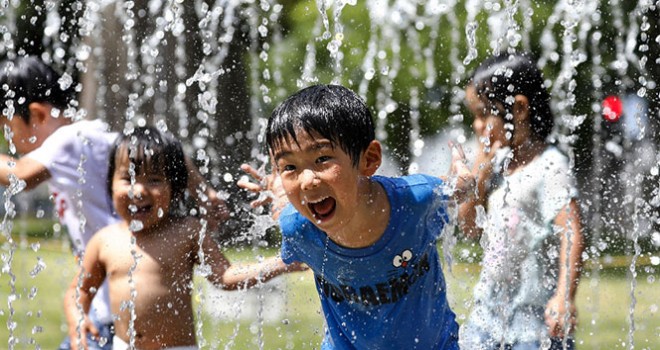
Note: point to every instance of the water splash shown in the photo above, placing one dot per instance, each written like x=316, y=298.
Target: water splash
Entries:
x=392, y=26
x=130, y=304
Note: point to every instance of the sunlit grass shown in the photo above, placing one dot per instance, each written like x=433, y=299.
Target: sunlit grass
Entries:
x=604, y=305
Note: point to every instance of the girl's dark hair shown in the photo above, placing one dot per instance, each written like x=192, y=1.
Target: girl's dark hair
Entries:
x=151, y=150
x=500, y=78
x=28, y=79
x=332, y=111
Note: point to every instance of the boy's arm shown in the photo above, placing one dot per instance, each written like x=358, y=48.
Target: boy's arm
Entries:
x=560, y=313
x=25, y=168
x=230, y=276
x=79, y=295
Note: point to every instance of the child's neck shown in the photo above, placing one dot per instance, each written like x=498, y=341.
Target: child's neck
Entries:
x=373, y=217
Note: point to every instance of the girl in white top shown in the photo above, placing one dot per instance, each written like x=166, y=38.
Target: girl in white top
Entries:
x=526, y=211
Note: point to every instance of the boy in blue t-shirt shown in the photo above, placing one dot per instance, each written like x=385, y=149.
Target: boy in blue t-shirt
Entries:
x=370, y=240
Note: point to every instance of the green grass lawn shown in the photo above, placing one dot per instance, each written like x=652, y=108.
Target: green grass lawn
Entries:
x=36, y=319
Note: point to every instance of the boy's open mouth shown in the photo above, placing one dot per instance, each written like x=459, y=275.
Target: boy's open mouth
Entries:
x=323, y=208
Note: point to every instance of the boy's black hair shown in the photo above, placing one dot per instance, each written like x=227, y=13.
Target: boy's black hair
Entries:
x=503, y=76
x=152, y=150
x=332, y=111
x=28, y=79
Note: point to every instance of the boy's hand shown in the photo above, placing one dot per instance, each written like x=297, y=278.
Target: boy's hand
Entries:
x=560, y=316
x=465, y=181
x=87, y=326
x=269, y=188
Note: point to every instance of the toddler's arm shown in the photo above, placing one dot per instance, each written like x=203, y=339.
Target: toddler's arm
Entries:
x=78, y=297
x=561, y=313
x=238, y=276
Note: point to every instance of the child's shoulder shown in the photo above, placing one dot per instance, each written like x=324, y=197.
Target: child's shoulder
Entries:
x=73, y=136
x=416, y=190
x=110, y=235
x=416, y=183
x=290, y=217
x=409, y=180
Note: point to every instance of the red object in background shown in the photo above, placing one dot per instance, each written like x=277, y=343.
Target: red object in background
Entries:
x=612, y=108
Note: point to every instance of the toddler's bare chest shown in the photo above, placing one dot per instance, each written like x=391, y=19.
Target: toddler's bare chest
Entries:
x=166, y=259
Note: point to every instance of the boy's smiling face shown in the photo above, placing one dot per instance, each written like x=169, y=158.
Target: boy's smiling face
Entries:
x=321, y=181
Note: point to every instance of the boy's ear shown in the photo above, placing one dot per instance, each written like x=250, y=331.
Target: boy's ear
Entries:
x=39, y=112
x=372, y=157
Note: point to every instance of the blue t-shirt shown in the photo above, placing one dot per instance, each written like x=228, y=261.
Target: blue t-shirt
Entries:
x=392, y=294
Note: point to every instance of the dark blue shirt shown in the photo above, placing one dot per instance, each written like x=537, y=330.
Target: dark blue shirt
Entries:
x=392, y=294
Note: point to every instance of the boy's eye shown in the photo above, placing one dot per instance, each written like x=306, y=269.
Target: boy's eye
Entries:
x=322, y=159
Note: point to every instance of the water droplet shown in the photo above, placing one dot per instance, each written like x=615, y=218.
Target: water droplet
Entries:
x=41, y=265
x=369, y=74
x=333, y=46
x=135, y=225
x=204, y=270
x=103, y=341
x=161, y=125
x=263, y=31
x=65, y=81
x=33, y=293
x=15, y=185
x=254, y=327
x=655, y=260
